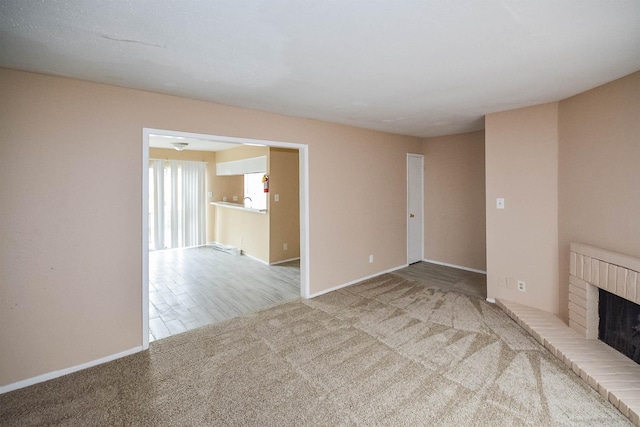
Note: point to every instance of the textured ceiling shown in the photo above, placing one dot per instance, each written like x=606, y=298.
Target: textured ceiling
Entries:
x=419, y=68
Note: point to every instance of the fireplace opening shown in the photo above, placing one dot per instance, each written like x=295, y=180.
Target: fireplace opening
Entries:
x=619, y=325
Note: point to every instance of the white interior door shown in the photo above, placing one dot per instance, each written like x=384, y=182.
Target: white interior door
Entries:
x=415, y=207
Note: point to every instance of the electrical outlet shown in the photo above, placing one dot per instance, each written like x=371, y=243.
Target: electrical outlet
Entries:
x=502, y=282
x=235, y=198
x=511, y=283
x=284, y=247
x=521, y=286
x=370, y=259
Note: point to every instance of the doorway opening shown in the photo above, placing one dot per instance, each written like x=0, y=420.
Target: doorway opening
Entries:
x=261, y=267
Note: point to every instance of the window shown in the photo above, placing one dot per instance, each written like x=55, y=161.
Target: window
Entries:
x=254, y=189
x=177, y=204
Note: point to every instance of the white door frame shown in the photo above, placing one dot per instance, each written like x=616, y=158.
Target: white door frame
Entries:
x=421, y=204
x=303, y=156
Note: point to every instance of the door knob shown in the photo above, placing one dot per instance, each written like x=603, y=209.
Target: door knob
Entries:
x=411, y=215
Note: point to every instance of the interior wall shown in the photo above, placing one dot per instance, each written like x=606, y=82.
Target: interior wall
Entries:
x=225, y=186
x=521, y=153
x=454, y=200
x=599, y=178
x=284, y=215
x=71, y=249
x=363, y=182
x=243, y=229
x=208, y=157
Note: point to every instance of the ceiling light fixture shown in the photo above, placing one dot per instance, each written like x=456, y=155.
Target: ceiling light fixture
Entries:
x=180, y=145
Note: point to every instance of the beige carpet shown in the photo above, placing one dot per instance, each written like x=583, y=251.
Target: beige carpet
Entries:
x=384, y=352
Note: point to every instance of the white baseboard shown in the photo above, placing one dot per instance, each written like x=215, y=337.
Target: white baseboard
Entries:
x=284, y=260
x=459, y=267
x=254, y=258
x=55, y=374
x=353, y=282
x=491, y=300
x=180, y=248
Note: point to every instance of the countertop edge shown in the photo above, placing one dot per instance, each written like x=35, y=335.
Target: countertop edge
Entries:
x=238, y=206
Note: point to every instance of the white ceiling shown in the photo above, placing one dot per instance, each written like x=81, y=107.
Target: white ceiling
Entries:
x=195, y=144
x=421, y=68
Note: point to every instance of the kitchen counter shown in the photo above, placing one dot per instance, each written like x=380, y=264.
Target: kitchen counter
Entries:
x=238, y=206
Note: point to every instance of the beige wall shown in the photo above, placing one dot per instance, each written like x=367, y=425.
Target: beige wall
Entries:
x=454, y=200
x=521, y=154
x=599, y=179
x=227, y=186
x=362, y=181
x=243, y=229
x=572, y=168
x=71, y=250
x=284, y=225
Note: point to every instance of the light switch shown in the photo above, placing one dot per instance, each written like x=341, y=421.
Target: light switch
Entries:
x=210, y=194
x=500, y=203
x=276, y=197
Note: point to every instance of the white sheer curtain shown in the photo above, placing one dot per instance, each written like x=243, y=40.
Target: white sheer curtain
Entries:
x=179, y=204
x=158, y=204
x=193, y=204
x=175, y=213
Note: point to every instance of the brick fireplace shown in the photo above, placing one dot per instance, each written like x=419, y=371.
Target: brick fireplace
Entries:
x=591, y=268
x=613, y=375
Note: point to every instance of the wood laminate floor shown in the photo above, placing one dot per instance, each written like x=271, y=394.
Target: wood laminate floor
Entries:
x=193, y=287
